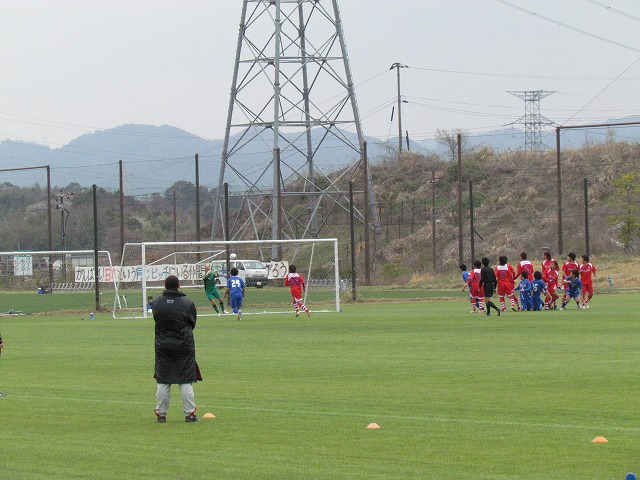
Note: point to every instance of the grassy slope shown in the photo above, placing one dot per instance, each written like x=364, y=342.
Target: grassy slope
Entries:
x=457, y=396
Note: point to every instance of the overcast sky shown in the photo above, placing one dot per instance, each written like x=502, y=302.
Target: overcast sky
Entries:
x=69, y=67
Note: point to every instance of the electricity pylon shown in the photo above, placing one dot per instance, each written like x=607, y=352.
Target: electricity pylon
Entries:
x=292, y=99
x=532, y=119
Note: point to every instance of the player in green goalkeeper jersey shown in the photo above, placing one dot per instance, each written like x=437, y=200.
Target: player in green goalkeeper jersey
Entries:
x=211, y=290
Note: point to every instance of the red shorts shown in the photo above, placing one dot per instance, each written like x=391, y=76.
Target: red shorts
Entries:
x=551, y=289
x=587, y=288
x=475, y=291
x=505, y=290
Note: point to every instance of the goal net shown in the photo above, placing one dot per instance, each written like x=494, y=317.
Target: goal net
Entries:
x=263, y=266
x=54, y=281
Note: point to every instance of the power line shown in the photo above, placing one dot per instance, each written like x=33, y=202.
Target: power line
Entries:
x=569, y=27
x=512, y=75
x=615, y=10
x=606, y=87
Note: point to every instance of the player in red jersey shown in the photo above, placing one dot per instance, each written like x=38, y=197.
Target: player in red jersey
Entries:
x=550, y=278
x=506, y=281
x=587, y=276
x=570, y=265
x=524, y=266
x=296, y=284
x=547, y=261
x=475, y=285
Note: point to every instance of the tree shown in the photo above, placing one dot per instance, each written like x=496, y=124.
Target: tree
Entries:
x=626, y=199
x=449, y=140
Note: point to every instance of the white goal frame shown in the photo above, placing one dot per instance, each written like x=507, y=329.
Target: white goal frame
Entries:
x=88, y=253
x=222, y=245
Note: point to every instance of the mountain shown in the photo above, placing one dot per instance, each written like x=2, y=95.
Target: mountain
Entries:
x=155, y=157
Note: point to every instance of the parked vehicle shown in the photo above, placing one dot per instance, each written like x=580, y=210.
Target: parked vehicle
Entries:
x=253, y=272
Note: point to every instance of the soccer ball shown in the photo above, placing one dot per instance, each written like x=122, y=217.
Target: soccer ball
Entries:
x=149, y=310
x=233, y=255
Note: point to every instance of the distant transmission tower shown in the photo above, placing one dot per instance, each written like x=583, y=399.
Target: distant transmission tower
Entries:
x=287, y=158
x=532, y=119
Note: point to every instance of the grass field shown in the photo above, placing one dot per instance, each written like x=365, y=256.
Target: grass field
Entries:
x=456, y=395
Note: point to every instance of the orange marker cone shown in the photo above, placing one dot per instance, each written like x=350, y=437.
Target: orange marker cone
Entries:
x=208, y=415
x=373, y=425
x=600, y=440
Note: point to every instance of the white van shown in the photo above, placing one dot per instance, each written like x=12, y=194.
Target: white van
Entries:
x=253, y=272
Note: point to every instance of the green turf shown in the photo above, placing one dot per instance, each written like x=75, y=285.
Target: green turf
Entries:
x=456, y=395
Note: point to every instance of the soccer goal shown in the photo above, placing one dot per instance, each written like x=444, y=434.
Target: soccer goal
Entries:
x=54, y=280
x=263, y=266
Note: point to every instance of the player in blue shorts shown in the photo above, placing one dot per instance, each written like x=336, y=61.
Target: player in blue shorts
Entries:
x=525, y=291
x=537, y=288
x=235, y=291
x=572, y=288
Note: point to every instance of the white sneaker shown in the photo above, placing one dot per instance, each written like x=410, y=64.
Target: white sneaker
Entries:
x=473, y=311
x=297, y=314
x=239, y=314
x=561, y=308
x=586, y=305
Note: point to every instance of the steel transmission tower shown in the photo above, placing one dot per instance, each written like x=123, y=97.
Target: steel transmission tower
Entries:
x=532, y=119
x=292, y=96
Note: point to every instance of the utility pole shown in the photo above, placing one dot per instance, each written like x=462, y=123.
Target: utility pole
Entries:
x=63, y=227
x=121, y=210
x=433, y=219
x=398, y=66
x=175, y=223
x=460, y=244
x=197, y=200
x=473, y=229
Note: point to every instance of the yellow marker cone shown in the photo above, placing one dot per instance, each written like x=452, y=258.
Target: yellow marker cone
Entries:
x=208, y=415
x=373, y=425
x=600, y=440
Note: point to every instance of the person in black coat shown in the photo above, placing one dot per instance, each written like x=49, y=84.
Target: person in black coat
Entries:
x=175, y=318
x=489, y=282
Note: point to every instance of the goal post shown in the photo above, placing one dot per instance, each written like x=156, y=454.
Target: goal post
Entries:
x=47, y=281
x=263, y=265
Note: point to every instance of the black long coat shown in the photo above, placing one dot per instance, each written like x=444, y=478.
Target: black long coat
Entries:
x=175, y=317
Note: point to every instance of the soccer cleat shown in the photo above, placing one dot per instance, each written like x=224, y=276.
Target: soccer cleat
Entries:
x=297, y=314
x=514, y=309
x=473, y=311
x=586, y=305
x=239, y=314
x=561, y=308
x=308, y=313
x=191, y=419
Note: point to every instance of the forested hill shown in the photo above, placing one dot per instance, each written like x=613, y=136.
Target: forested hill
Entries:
x=515, y=205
